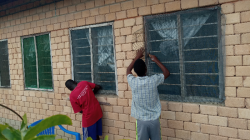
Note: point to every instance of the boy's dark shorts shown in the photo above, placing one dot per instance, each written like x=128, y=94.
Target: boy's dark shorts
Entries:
x=93, y=131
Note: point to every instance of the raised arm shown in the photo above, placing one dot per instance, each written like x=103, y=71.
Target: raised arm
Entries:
x=165, y=71
x=139, y=54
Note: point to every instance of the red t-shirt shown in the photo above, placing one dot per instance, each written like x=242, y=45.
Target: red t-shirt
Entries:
x=82, y=98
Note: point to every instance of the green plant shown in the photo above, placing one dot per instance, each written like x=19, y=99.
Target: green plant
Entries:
x=9, y=133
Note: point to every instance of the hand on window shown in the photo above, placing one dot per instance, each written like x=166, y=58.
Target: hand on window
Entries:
x=139, y=53
x=97, y=88
x=153, y=57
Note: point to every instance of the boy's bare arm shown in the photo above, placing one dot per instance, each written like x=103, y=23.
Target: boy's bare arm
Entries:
x=139, y=54
x=165, y=71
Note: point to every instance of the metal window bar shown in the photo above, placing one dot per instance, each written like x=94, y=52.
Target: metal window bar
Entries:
x=184, y=96
x=37, y=89
x=89, y=27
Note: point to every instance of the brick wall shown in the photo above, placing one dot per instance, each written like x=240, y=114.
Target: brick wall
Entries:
x=178, y=120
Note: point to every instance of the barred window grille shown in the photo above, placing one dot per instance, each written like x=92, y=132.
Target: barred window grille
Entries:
x=4, y=64
x=188, y=44
x=37, y=62
x=93, y=57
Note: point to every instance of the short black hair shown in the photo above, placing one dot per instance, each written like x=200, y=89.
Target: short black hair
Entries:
x=140, y=67
x=71, y=84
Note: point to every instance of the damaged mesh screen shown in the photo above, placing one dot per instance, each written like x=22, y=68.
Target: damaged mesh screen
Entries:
x=4, y=65
x=93, y=57
x=187, y=43
x=81, y=55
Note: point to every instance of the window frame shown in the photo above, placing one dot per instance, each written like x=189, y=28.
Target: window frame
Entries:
x=183, y=97
x=91, y=46
x=34, y=36
x=8, y=63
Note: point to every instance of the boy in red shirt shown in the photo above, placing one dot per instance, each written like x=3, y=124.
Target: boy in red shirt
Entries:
x=83, y=100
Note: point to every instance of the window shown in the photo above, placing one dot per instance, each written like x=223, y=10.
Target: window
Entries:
x=37, y=62
x=93, y=56
x=4, y=64
x=188, y=44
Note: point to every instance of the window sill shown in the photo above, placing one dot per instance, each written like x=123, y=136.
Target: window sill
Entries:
x=36, y=89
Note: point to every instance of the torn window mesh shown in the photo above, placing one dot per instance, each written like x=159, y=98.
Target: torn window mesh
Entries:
x=99, y=40
x=4, y=65
x=187, y=44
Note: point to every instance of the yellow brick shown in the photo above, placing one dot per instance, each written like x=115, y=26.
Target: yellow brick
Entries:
x=129, y=22
x=104, y=10
x=206, y=2
x=124, y=117
x=119, y=124
x=126, y=31
x=168, y=115
x=123, y=132
x=242, y=70
x=183, y=116
x=121, y=15
x=245, y=38
x=242, y=49
x=90, y=20
x=115, y=8
x=100, y=18
x=123, y=102
x=118, y=109
x=140, y=3
x=94, y=12
x=120, y=40
x=113, y=130
x=209, y=129
x=233, y=60
x=243, y=134
x=237, y=123
x=229, y=29
x=175, y=124
x=144, y=11
x=130, y=126
x=225, y=1
x=199, y=136
x=159, y=8
x=216, y=120
x=227, y=8
x=90, y=4
x=110, y=17
x=173, y=6
x=208, y=109
x=232, y=18
x=199, y=118
x=235, y=102
x=80, y=7
x=228, y=132
x=182, y=134
x=230, y=71
x=242, y=6
x=121, y=71
x=175, y=106
x=246, y=82
x=244, y=113
x=192, y=108
x=245, y=16
x=213, y=137
x=243, y=92
x=127, y=5
x=113, y=116
x=232, y=39
x=192, y=126
x=132, y=13
x=186, y=4
x=168, y=132
x=227, y=112
x=242, y=27
x=86, y=13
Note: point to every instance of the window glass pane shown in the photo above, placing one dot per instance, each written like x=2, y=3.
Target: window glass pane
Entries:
x=4, y=65
x=44, y=62
x=200, y=50
x=162, y=41
x=81, y=55
x=103, y=58
x=29, y=54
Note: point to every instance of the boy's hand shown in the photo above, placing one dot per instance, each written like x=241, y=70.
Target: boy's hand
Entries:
x=139, y=53
x=153, y=58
